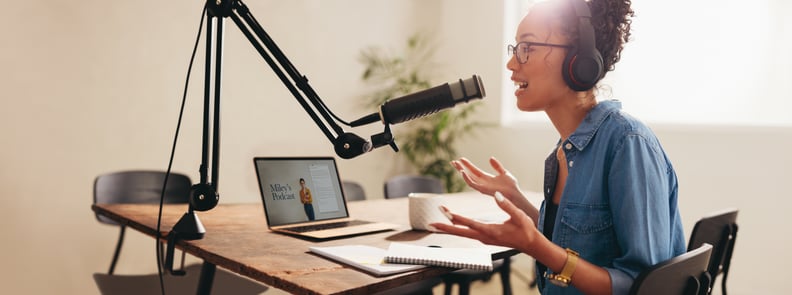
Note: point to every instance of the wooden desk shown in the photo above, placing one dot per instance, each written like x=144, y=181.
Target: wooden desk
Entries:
x=237, y=239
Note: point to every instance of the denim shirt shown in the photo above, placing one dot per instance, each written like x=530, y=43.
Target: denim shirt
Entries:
x=619, y=206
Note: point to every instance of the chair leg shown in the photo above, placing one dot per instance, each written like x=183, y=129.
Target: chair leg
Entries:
x=448, y=286
x=505, y=275
x=723, y=285
x=728, y=257
x=117, y=250
x=723, y=281
x=206, y=279
x=464, y=288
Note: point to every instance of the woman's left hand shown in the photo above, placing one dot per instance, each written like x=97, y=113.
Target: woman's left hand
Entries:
x=518, y=232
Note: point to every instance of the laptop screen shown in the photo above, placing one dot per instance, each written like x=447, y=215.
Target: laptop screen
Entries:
x=300, y=189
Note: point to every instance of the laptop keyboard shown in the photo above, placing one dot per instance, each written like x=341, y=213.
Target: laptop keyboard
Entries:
x=316, y=227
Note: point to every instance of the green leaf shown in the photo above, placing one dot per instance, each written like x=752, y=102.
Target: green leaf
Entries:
x=429, y=143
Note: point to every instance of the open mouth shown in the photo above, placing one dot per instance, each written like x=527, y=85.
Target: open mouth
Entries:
x=521, y=85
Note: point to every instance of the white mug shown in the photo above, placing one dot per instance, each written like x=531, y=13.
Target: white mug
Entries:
x=423, y=210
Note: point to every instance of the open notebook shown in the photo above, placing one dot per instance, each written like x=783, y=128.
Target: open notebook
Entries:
x=368, y=258
x=303, y=196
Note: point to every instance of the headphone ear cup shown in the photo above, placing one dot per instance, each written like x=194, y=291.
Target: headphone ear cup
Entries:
x=582, y=70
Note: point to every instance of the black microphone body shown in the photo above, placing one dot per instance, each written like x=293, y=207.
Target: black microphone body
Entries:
x=416, y=105
x=426, y=102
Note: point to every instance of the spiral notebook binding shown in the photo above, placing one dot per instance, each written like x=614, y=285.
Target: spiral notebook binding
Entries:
x=462, y=258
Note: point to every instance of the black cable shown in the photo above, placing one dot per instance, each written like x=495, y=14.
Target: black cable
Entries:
x=302, y=81
x=324, y=106
x=173, y=152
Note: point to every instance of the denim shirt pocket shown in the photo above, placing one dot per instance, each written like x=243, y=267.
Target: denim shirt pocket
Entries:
x=588, y=229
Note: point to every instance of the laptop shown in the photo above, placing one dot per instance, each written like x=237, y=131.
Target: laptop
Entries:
x=303, y=196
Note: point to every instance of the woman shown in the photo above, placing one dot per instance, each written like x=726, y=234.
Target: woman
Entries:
x=610, y=208
x=307, y=200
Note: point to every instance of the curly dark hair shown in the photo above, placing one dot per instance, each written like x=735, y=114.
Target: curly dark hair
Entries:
x=611, y=20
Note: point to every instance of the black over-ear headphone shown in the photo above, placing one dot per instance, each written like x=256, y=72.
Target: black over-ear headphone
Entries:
x=583, y=63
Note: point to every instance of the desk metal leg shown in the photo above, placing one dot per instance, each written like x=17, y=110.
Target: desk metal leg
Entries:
x=206, y=279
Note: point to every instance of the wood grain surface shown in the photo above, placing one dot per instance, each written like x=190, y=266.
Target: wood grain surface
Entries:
x=237, y=239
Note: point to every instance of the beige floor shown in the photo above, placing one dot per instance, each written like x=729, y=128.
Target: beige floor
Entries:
x=521, y=277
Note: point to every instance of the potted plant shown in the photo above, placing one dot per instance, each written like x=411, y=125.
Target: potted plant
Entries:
x=427, y=143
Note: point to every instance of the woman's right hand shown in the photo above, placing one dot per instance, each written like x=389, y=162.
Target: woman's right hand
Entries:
x=485, y=182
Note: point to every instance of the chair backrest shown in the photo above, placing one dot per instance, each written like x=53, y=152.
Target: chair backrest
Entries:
x=402, y=185
x=139, y=187
x=353, y=191
x=684, y=274
x=719, y=229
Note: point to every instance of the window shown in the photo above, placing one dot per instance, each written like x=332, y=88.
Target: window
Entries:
x=694, y=62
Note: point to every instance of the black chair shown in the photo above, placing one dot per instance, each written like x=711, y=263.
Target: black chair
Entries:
x=719, y=230
x=135, y=187
x=465, y=277
x=402, y=186
x=685, y=274
x=128, y=187
x=423, y=287
x=353, y=191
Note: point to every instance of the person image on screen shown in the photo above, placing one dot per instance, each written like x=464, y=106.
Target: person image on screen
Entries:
x=306, y=199
x=610, y=192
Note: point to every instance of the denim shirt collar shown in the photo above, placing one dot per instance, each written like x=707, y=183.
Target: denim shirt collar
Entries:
x=592, y=122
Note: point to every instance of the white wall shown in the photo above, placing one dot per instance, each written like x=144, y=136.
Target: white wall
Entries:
x=94, y=86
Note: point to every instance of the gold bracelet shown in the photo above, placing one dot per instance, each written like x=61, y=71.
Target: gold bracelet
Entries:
x=564, y=278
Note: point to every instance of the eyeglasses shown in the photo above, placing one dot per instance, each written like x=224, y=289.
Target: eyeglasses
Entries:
x=522, y=49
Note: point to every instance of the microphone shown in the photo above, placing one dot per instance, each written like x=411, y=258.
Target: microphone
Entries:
x=426, y=102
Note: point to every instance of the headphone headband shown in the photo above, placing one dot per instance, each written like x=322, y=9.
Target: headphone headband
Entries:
x=581, y=8
x=585, y=29
x=583, y=65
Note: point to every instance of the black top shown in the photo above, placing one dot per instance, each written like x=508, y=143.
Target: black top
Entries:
x=550, y=215
x=551, y=209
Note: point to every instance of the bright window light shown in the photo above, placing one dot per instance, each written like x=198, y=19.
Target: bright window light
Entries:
x=688, y=63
